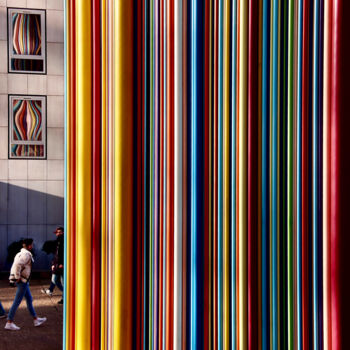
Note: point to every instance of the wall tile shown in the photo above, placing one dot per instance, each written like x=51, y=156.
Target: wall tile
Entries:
x=37, y=84
x=16, y=232
x=38, y=233
x=36, y=4
x=18, y=169
x=55, y=58
x=3, y=110
x=3, y=201
x=37, y=169
x=3, y=21
x=36, y=202
x=55, y=111
x=4, y=170
x=55, y=188
x=55, y=26
x=3, y=56
x=55, y=170
x=55, y=202
x=54, y=4
x=55, y=143
x=55, y=85
x=17, y=83
x=16, y=3
x=3, y=143
x=17, y=202
x=3, y=83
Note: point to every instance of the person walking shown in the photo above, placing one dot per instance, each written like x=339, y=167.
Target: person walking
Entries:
x=20, y=275
x=57, y=265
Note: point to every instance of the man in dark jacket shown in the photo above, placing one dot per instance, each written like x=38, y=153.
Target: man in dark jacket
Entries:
x=57, y=264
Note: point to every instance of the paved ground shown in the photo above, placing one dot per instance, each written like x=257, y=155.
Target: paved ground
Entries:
x=46, y=337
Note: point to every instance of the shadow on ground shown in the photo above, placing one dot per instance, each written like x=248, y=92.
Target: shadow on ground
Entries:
x=46, y=337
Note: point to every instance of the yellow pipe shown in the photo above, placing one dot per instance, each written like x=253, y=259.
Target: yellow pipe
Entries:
x=242, y=174
x=104, y=278
x=83, y=185
x=123, y=78
x=226, y=206
x=69, y=231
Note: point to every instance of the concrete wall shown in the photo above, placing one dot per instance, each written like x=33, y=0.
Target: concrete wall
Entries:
x=31, y=191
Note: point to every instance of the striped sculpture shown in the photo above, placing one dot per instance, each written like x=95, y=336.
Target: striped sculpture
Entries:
x=201, y=174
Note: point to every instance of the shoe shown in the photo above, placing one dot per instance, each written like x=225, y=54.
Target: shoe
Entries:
x=60, y=302
x=46, y=291
x=11, y=326
x=39, y=321
x=3, y=316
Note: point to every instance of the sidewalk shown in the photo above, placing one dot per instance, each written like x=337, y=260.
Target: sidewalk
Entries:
x=46, y=337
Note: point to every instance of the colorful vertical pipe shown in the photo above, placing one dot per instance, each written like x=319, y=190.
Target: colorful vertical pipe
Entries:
x=202, y=174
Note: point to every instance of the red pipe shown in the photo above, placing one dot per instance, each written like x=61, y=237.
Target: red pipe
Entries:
x=139, y=177
x=143, y=320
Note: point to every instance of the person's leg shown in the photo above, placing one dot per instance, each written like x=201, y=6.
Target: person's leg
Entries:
x=52, y=284
x=49, y=290
x=37, y=320
x=21, y=290
x=2, y=311
x=59, y=284
x=29, y=300
x=57, y=280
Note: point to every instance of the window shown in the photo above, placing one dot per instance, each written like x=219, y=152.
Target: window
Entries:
x=27, y=42
x=27, y=127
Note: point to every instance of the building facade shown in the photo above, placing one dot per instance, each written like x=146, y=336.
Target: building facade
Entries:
x=31, y=123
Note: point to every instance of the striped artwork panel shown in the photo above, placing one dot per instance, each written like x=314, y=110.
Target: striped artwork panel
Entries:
x=26, y=34
x=200, y=149
x=27, y=120
x=27, y=132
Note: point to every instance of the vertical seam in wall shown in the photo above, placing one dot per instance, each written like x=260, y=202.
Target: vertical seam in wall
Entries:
x=7, y=202
x=46, y=194
x=27, y=187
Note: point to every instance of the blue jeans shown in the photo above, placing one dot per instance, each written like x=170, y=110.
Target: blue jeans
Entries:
x=2, y=311
x=56, y=280
x=22, y=291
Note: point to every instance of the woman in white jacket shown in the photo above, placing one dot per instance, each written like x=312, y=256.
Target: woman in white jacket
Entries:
x=20, y=274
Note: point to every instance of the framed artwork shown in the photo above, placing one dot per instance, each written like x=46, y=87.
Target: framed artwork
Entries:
x=26, y=41
x=27, y=127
